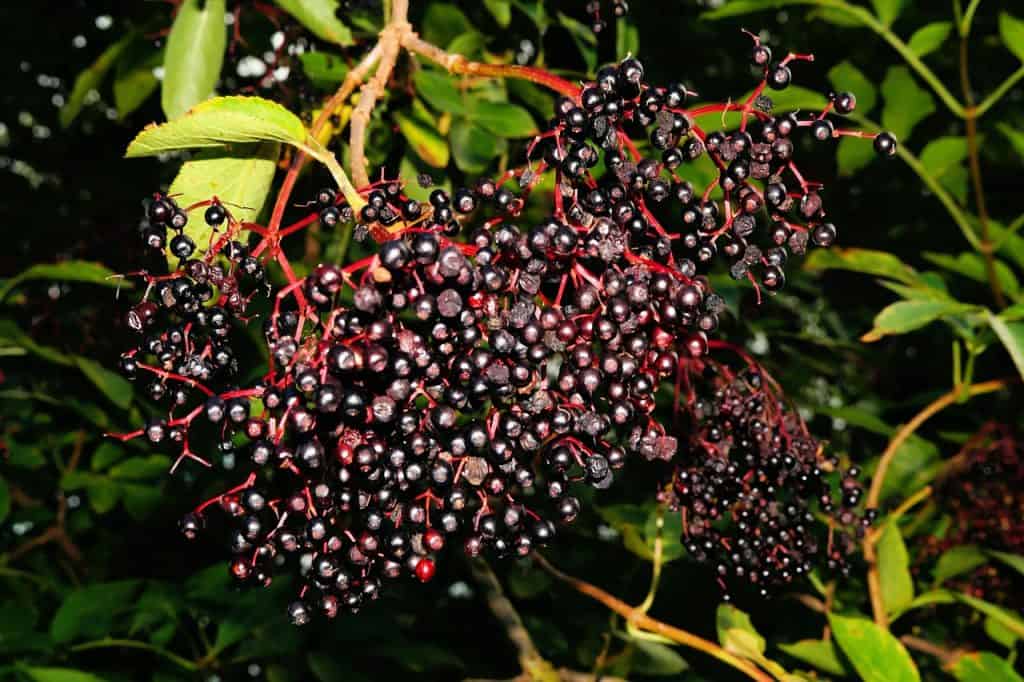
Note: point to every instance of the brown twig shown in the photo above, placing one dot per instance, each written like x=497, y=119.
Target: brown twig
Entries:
x=945, y=655
x=878, y=481
x=974, y=163
x=642, y=621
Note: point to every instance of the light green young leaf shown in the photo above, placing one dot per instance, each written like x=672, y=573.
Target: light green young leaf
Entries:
x=60, y=675
x=929, y=37
x=887, y=10
x=874, y=652
x=822, y=654
x=219, y=122
x=194, y=56
x=627, y=38
x=501, y=10
x=867, y=261
x=983, y=666
x=1011, y=29
x=894, y=569
x=91, y=79
x=1011, y=334
x=320, y=17
x=906, y=316
x=999, y=633
x=957, y=561
x=736, y=632
x=906, y=103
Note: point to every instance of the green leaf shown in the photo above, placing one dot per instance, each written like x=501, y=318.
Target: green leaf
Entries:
x=972, y=265
x=866, y=261
x=983, y=666
x=887, y=10
x=142, y=468
x=60, y=675
x=194, y=56
x=655, y=659
x=852, y=155
x=474, y=147
x=219, y=122
x=822, y=654
x=957, y=561
x=424, y=140
x=906, y=316
x=90, y=611
x=894, y=569
x=1014, y=561
x=929, y=37
x=134, y=80
x=1011, y=29
x=503, y=119
x=1003, y=616
x=443, y=23
x=1011, y=334
x=846, y=76
x=943, y=157
x=737, y=634
x=320, y=17
x=91, y=79
x=627, y=38
x=67, y=271
x=501, y=10
x=916, y=463
x=999, y=633
x=115, y=387
x=439, y=91
x=735, y=8
x=1015, y=137
x=876, y=655
x=240, y=176
x=906, y=103
x=326, y=70
x=584, y=38
x=5, y=500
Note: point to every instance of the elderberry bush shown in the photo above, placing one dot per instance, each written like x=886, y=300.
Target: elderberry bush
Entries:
x=456, y=386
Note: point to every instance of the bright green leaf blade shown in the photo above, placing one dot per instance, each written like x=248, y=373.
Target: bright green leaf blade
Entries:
x=115, y=387
x=424, y=140
x=887, y=10
x=501, y=10
x=1011, y=29
x=219, y=122
x=906, y=103
x=627, y=38
x=1011, y=334
x=822, y=654
x=326, y=70
x=906, y=316
x=504, y=120
x=134, y=80
x=957, y=561
x=866, y=261
x=1014, y=561
x=91, y=79
x=240, y=176
x=846, y=76
x=894, y=569
x=984, y=666
x=874, y=652
x=736, y=632
x=194, y=56
x=973, y=266
x=68, y=271
x=929, y=37
x=320, y=17
x=999, y=633
x=60, y=675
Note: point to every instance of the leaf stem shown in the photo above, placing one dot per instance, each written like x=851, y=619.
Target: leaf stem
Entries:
x=642, y=620
x=181, y=662
x=998, y=93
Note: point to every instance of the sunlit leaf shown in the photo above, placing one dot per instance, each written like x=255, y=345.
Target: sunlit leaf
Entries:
x=957, y=561
x=320, y=17
x=1011, y=29
x=1011, y=334
x=906, y=316
x=983, y=666
x=194, y=55
x=929, y=37
x=874, y=652
x=67, y=271
x=887, y=10
x=894, y=569
x=822, y=654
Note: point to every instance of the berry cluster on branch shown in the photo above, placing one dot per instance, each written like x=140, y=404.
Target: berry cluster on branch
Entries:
x=457, y=384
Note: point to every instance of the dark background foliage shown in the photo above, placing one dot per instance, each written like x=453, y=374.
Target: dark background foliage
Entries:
x=94, y=576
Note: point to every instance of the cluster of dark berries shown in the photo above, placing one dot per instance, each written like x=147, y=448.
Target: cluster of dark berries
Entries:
x=750, y=477
x=456, y=384
x=619, y=9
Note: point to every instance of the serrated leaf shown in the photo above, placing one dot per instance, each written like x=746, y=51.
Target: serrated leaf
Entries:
x=887, y=10
x=90, y=611
x=115, y=387
x=67, y=271
x=906, y=316
x=846, y=76
x=320, y=17
x=219, y=122
x=894, y=569
x=929, y=37
x=424, y=140
x=503, y=119
x=1011, y=30
x=60, y=675
x=194, y=55
x=1011, y=334
x=983, y=666
x=957, y=561
x=822, y=654
x=875, y=653
x=906, y=103
x=91, y=79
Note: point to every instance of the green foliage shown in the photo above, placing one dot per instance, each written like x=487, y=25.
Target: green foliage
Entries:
x=874, y=652
x=194, y=56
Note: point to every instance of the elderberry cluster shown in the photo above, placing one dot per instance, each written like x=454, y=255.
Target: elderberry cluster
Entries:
x=749, y=479
x=455, y=385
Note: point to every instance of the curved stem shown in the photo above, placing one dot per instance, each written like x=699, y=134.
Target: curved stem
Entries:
x=998, y=93
x=642, y=620
x=183, y=663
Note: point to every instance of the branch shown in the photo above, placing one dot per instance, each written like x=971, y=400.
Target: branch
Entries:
x=641, y=620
